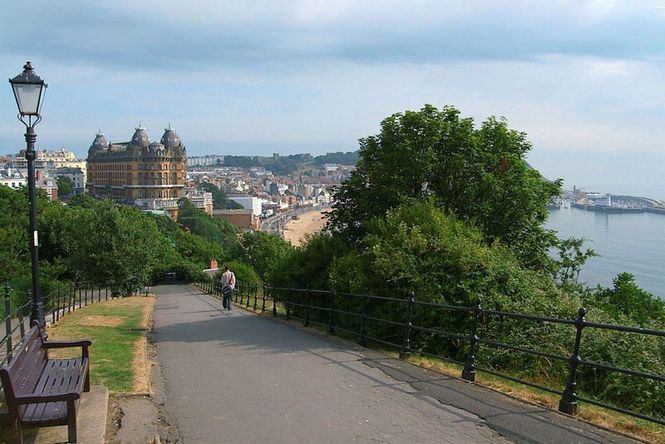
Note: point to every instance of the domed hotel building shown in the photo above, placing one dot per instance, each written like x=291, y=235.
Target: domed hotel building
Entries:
x=150, y=175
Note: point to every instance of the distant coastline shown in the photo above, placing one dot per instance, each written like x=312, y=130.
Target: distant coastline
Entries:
x=606, y=202
x=611, y=209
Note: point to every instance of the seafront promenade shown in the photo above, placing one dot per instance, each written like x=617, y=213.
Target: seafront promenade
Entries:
x=242, y=378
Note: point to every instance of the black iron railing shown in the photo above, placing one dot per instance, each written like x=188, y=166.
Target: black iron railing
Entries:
x=335, y=311
x=66, y=298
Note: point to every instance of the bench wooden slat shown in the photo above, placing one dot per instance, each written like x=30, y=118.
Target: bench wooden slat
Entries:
x=60, y=376
x=31, y=377
x=28, y=366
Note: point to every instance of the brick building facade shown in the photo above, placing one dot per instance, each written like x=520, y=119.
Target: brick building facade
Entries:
x=138, y=172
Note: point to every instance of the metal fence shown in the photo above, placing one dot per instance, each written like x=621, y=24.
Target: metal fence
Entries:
x=354, y=314
x=66, y=298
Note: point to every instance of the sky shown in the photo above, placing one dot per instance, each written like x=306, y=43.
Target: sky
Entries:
x=585, y=79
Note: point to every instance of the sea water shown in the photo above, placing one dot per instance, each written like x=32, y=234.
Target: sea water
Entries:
x=632, y=242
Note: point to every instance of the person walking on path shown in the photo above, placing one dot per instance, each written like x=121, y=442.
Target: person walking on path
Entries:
x=228, y=282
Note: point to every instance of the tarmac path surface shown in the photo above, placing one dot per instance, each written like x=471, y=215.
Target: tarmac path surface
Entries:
x=235, y=377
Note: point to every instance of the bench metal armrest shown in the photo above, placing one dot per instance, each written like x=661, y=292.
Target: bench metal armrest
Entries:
x=35, y=399
x=84, y=344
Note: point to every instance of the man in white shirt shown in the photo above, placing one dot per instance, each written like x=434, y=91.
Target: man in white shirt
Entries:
x=228, y=282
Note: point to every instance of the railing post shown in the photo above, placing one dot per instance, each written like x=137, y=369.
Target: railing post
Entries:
x=288, y=305
x=469, y=371
x=331, y=314
x=307, y=303
x=568, y=403
x=263, y=300
x=363, y=326
x=86, y=297
x=54, y=306
x=256, y=295
x=21, y=321
x=406, y=343
x=106, y=293
x=57, y=304
x=8, y=323
x=274, y=303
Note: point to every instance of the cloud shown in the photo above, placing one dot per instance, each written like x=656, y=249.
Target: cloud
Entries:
x=315, y=75
x=211, y=34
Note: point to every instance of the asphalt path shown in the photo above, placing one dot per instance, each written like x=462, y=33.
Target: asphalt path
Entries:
x=235, y=377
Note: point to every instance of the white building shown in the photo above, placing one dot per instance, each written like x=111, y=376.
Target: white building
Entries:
x=200, y=161
x=49, y=161
x=75, y=175
x=200, y=199
x=248, y=202
x=13, y=178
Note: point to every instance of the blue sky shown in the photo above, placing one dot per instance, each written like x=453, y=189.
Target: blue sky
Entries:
x=584, y=79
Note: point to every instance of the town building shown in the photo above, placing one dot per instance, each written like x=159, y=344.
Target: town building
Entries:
x=248, y=202
x=150, y=175
x=244, y=219
x=48, y=184
x=200, y=199
x=13, y=178
x=76, y=176
x=208, y=160
x=49, y=161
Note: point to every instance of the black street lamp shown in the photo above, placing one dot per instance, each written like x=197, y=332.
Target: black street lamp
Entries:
x=29, y=92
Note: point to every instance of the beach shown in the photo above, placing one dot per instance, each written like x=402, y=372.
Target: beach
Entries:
x=309, y=222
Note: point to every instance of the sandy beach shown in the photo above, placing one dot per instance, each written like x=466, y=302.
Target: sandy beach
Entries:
x=309, y=222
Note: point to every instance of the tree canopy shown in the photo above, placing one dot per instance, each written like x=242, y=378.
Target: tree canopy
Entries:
x=65, y=186
x=478, y=174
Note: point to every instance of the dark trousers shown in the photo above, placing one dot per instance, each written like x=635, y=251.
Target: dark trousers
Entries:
x=227, y=297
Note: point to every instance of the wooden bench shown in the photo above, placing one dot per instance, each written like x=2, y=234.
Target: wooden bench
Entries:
x=44, y=392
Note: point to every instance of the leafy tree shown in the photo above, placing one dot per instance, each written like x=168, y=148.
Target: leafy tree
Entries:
x=126, y=245
x=571, y=259
x=263, y=251
x=14, y=252
x=214, y=229
x=83, y=200
x=219, y=198
x=245, y=274
x=191, y=248
x=65, y=186
x=625, y=299
x=478, y=174
x=308, y=265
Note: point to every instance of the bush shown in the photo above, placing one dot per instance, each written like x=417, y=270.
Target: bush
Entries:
x=245, y=274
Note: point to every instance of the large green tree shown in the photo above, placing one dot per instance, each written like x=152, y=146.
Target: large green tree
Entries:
x=116, y=246
x=264, y=251
x=14, y=252
x=211, y=228
x=479, y=174
x=65, y=185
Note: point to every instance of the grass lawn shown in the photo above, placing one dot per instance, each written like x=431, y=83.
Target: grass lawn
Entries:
x=117, y=329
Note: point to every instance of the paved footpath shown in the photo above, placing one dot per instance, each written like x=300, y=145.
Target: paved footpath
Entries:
x=235, y=377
